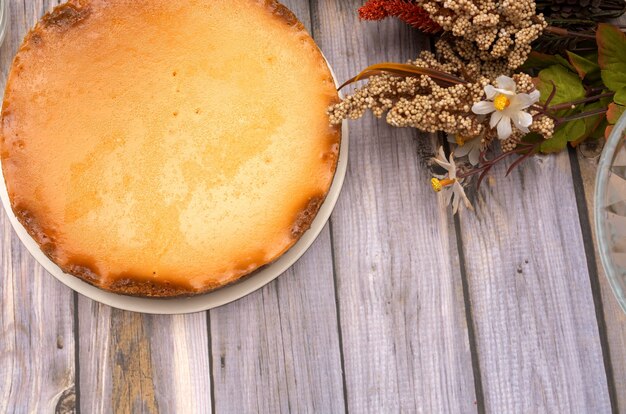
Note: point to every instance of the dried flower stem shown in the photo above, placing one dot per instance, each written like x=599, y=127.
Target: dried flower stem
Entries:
x=567, y=105
x=403, y=69
x=546, y=110
x=523, y=149
x=564, y=32
x=581, y=115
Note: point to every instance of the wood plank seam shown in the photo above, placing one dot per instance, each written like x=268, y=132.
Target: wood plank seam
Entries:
x=535, y=333
x=338, y=312
x=282, y=344
x=76, y=353
x=592, y=266
x=469, y=317
x=403, y=328
x=334, y=266
x=211, y=361
x=478, y=382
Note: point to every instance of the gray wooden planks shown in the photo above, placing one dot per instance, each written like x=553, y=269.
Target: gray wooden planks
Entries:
x=37, y=372
x=536, y=331
x=142, y=363
x=277, y=350
x=401, y=306
x=613, y=316
x=404, y=336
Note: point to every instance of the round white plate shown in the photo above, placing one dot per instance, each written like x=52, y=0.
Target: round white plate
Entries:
x=201, y=302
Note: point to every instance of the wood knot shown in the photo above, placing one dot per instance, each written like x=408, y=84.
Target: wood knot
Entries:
x=67, y=402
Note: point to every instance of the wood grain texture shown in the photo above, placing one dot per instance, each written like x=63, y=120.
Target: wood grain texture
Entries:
x=138, y=363
x=536, y=330
x=277, y=350
x=37, y=372
x=371, y=319
x=614, y=317
x=401, y=305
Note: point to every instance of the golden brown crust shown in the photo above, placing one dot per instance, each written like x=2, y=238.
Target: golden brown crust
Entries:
x=62, y=17
x=66, y=16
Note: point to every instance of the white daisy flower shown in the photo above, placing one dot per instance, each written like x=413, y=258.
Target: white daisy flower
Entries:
x=449, y=185
x=506, y=106
x=469, y=147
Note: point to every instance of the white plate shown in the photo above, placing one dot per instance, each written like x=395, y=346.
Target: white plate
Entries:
x=201, y=302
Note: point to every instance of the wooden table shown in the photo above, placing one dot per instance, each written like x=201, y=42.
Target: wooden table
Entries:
x=397, y=307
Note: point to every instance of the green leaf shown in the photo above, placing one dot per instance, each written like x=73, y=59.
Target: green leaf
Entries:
x=532, y=138
x=611, y=45
x=600, y=130
x=592, y=123
x=586, y=68
x=614, y=76
x=620, y=96
x=537, y=60
x=570, y=131
x=568, y=85
x=614, y=112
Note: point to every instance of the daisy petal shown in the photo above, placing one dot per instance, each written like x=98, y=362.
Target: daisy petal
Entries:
x=447, y=196
x=504, y=92
x=442, y=160
x=495, y=118
x=462, y=150
x=490, y=91
x=504, y=82
x=535, y=95
x=452, y=170
x=522, y=120
x=522, y=101
x=504, y=128
x=460, y=194
x=483, y=108
x=442, y=164
x=474, y=156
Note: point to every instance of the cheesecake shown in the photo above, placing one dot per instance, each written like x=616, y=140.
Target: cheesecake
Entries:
x=166, y=148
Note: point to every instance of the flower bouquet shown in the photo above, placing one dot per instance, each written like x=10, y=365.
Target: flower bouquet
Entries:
x=509, y=78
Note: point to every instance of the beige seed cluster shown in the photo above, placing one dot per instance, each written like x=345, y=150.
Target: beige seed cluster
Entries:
x=421, y=103
x=417, y=102
x=523, y=83
x=485, y=39
x=543, y=125
x=511, y=142
x=498, y=30
x=462, y=56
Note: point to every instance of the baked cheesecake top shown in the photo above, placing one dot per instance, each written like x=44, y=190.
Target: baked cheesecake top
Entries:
x=163, y=148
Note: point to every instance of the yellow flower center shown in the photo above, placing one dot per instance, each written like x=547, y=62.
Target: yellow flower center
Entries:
x=459, y=140
x=501, y=102
x=438, y=184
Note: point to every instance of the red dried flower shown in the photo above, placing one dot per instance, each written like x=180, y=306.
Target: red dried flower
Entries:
x=406, y=10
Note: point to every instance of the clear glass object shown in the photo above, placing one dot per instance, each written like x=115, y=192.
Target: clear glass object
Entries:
x=610, y=209
x=4, y=19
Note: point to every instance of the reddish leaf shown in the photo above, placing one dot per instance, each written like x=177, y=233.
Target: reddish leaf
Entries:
x=406, y=70
x=583, y=66
x=611, y=45
x=614, y=112
x=407, y=11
